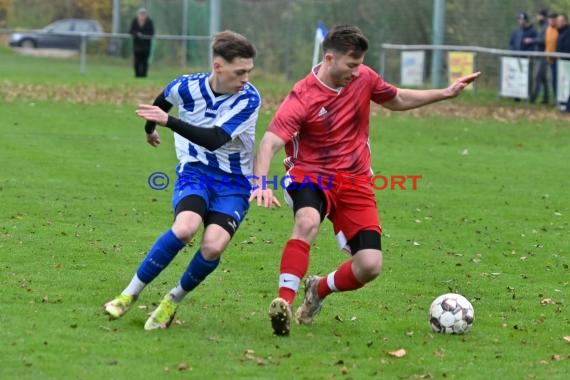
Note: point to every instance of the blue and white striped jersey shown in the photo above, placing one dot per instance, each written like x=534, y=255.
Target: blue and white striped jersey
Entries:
x=235, y=113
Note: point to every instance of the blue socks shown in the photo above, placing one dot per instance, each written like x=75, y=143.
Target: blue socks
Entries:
x=198, y=269
x=160, y=255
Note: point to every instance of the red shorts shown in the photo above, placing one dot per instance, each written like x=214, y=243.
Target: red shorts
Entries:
x=350, y=208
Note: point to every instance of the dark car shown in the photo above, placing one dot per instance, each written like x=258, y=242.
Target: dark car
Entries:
x=62, y=34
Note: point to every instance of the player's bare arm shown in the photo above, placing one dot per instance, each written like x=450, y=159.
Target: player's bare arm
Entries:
x=270, y=144
x=407, y=99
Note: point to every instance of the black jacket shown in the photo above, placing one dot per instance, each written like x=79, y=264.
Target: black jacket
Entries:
x=563, y=42
x=518, y=36
x=142, y=35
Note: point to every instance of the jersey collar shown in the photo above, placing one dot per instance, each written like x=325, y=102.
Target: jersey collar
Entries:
x=315, y=70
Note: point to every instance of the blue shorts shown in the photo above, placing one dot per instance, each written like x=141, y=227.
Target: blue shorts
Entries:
x=222, y=192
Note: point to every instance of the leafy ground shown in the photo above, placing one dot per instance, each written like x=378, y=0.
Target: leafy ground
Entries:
x=489, y=220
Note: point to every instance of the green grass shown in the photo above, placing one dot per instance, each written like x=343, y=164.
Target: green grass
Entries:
x=489, y=220
x=104, y=72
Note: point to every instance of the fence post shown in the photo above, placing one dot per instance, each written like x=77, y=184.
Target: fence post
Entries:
x=82, y=53
x=438, y=33
x=475, y=69
x=382, y=62
x=184, y=33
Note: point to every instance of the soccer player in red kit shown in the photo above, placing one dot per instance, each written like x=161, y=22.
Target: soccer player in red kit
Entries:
x=324, y=126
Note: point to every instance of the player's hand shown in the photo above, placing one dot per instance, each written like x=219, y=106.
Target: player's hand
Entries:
x=153, y=138
x=152, y=113
x=264, y=197
x=458, y=86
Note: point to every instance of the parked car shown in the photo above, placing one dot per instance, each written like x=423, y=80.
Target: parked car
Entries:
x=62, y=34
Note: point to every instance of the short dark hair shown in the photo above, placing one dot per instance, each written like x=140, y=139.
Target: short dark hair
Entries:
x=231, y=45
x=552, y=15
x=346, y=39
x=523, y=16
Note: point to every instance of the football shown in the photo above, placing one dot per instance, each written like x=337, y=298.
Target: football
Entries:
x=451, y=314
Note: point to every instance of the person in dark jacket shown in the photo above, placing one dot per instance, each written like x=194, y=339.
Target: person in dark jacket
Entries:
x=142, y=30
x=540, y=65
x=522, y=37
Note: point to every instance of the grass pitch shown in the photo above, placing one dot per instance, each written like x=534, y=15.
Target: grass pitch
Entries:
x=489, y=220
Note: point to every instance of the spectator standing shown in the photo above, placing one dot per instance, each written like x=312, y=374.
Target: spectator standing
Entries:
x=142, y=30
x=523, y=36
x=563, y=45
x=540, y=82
x=551, y=36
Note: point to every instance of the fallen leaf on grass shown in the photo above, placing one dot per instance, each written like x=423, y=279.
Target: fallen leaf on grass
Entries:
x=439, y=354
x=567, y=338
x=398, y=353
x=183, y=366
x=249, y=354
x=547, y=301
x=556, y=357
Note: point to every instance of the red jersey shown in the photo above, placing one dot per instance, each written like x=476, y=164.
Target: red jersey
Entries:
x=326, y=130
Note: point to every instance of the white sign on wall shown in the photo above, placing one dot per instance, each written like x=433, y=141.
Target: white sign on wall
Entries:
x=562, y=81
x=514, y=77
x=412, y=68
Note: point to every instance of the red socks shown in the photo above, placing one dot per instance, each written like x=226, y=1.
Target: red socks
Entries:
x=294, y=265
x=343, y=279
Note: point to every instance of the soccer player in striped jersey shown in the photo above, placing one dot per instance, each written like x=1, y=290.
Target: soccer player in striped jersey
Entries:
x=214, y=139
x=324, y=126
